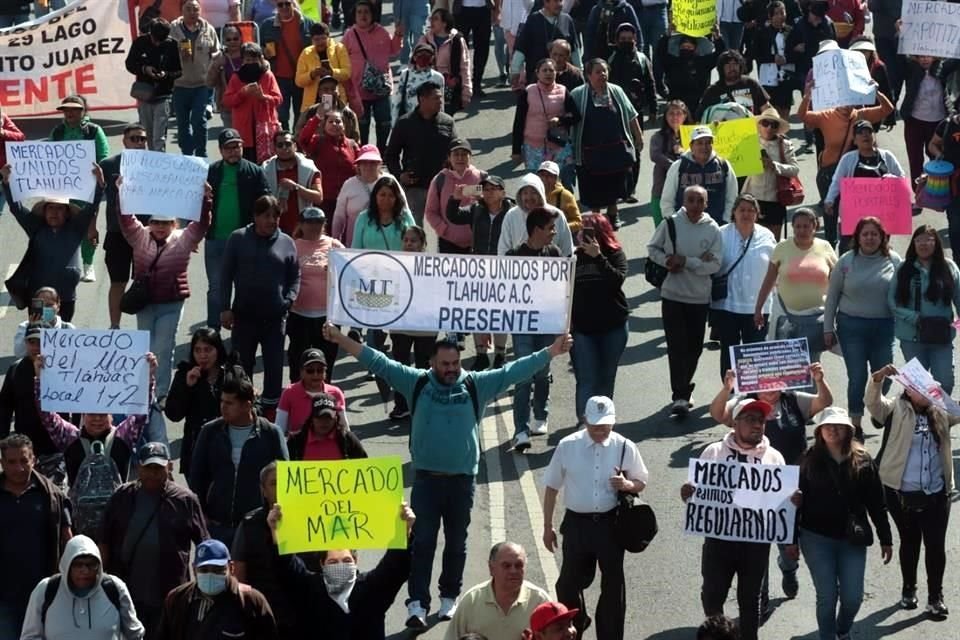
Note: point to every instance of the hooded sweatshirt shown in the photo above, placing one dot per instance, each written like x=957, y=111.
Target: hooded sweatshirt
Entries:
x=73, y=616
x=690, y=285
x=727, y=450
x=514, y=230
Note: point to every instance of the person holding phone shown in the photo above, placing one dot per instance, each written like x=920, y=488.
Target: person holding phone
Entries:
x=458, y=175
x=325, y=57
x=45, y=309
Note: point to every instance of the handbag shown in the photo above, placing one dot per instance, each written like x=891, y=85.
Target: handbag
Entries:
x=789, y=190
x=142, y=91
x=857, y=529
x=555, y=135
x=18, y=284
x=930, y=329
x=372, y=80
x=789, y=330
x=634, y=522
x=654, y=273
x=718, y=284
x=136, y=298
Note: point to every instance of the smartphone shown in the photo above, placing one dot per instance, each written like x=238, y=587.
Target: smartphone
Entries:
x=589, y=235
x=472, y=191
x=327, y=102
x=36, y=307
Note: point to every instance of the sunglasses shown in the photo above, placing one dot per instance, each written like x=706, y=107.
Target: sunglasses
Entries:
x=769, y=123
x=138, y=138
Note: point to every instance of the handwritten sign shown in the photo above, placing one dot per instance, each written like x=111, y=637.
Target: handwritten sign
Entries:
x=735, y=140
x=915, y=376
x=885, y=198
x=157, y=183
x=930, y=29
x=52, y=169
x=694, y=17
x=343, y=504
x=766, y=366
x=842, y=79
x=746, y=502
x=95, y=371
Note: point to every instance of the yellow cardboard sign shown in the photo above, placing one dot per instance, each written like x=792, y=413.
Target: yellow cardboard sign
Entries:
x=311, y=9
x=341, y=504
x=694, y=17
x=735, y=140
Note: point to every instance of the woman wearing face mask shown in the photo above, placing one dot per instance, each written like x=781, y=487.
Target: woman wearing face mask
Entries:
x=421, y=69
x=769, y=49
x=665, y=149
x=46, y=312
x=925, y=105
x=253, y=95
x=923, y=296
x=916, y=468
x=334, y=154
x=854, y=313
x=323, y=435
x=354, y=196
x=223, y=68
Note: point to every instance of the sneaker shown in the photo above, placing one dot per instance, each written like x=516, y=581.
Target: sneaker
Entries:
x=481, y=362
x=521, y=442
x=399, y=413
x=680, y=408
x=631, y=199
x=498, y=360
x=937, y=609
x=789, y=584
x=504, y=82
x=89, y=274
x=908, y=598
x=448, y=606
x=539, y=427
x=208, y=112
x=416, y=616
x=479, y=93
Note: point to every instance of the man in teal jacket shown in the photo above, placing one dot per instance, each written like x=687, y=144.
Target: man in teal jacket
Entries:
x=446, y=405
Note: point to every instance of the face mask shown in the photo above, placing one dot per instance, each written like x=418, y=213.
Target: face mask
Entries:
x=626, y=47
x=211, y=584
x=250, y=72
x=339, y=576
x=687, y=53
x=49, y=315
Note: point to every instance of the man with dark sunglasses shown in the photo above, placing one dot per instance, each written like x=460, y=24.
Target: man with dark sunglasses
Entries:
x=294, y=180
x=155, y=61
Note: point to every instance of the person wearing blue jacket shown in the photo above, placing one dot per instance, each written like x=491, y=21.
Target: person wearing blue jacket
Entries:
x=603, y=26
x=446, y=405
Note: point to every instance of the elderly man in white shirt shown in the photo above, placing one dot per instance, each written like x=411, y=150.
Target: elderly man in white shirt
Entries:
x=592, y=466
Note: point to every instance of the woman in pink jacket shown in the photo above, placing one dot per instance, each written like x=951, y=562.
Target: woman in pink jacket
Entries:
x=450, y=183
x=253, y=96
x=453, y=60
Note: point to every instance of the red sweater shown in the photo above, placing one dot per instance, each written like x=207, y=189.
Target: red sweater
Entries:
x=248, y=110
x=8, y=133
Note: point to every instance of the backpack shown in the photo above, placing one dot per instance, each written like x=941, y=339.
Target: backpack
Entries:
x=97, y=480
x=87, y=129
x=468, y=382
x=53, y=585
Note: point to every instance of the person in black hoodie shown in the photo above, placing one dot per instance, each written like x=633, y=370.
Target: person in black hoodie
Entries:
x=323, y=436
x=17, y=404
x=682, y=66
x=154, y=58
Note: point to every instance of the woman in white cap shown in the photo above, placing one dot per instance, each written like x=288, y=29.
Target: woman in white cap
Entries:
x=840, y=486
x=354, y=196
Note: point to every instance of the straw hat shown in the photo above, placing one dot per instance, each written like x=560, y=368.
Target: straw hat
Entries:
x=38, y=208
x=771, y=114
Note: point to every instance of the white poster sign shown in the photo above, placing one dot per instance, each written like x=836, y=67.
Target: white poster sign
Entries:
x=95, y=371
x=915, y=376
x=930, y=29
x=447, y=292
x=746, y=502
x=52, y=169
x=842, y=79
x=80, y=50
x=157, y=183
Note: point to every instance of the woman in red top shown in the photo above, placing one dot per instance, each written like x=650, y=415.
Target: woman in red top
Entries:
x=333, y=152
x=252, y=96
x=323, y=436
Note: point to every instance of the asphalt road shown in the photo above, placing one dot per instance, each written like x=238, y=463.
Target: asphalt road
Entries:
x=662, y=583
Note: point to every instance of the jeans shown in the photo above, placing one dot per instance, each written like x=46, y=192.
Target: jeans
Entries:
x=916, y=137
x=595, y=358
x=953, y=227
x=213, y=251
x=436, y=498
x=414, y=20
x=162, y=320
x=501, y=52
x=733, y=329
x=732, y=33
x=653, y=24
x=292, y=98
x=250, y=331
x=937, y=358
x=5, y=22
x=887, y=50
x=305, y=333
x=720, y=561
x=837, y=569
x=154, y=117
x=683, y=327
x=189, y=105
x=378, y=110
x=474, y=23
x=867, y=345
x=928, y=527
x=524, y=345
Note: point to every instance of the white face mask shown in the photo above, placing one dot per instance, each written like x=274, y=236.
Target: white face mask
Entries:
x=339, y=579
x=211, y=584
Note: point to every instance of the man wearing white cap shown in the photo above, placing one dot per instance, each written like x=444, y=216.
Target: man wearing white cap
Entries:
x=558, y=195
x=592, y=466
x=701, y=166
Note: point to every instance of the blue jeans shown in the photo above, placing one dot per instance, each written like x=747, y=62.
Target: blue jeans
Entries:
x=524, y=345
x=162, y=321
x=501, y=52
x=937, y=358
x=213, y=251
x=867, y=345
x=269, y=334
x=189, y=105
x=595, y=358
x=653, y=24
x=436, y=498
x=292, y=99
x=837, y=569
x=414, y=19
x=378, y=110
x=732, y=33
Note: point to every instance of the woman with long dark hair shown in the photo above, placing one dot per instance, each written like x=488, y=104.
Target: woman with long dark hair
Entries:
x=923, y=296
x=665, y=148
x=382, y=225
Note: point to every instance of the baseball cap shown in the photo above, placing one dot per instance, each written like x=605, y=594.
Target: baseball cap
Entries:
x=33, y=331
x=863, y=45
x=311, y=356
x=828, y=45
x=326, y=78
x=548, y=613
x=425, y=46
x=211, y=552
x=154, y=453
x=72, y=102
x=314, y=214
x=835, y=415
x=749, y=404
x=600, y=410
x=701, y=132
x=369, y=152
x=460, y=143
x=496, y=181
x=550, y=167
x=324, y=404
x=626, y=26
x=228, y=136
x=862, y=124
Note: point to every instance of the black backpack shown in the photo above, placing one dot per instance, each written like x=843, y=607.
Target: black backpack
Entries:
x=53, y=585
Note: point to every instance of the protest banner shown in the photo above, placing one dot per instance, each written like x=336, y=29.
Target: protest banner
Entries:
x=842, y=79
x=741, y=502
x=157, y=183
x=342, y=504
x=52, y=169
x=447, y=292
x=888, y=199
x=929, y=29
x=81, y=49
x=735, y=140
x=768, y=366
x=694, y=17
x=95, y=371
x=915, y=376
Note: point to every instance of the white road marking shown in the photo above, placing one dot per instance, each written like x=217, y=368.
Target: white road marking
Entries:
x=4, y=296
x=498, y=508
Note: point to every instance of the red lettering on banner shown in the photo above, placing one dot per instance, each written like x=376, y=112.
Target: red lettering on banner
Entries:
x=15, y=93
x=86, y=80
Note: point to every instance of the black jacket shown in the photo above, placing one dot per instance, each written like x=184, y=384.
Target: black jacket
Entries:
x=599, y=304
x=226, y=494
x=811, y=37
x=19, y=406
x=162, y=57
x=537, y=34
x=681, y=77
x=196, y=406
x=632, y=72
x=251, y=183
x=486, y=232
x=239, y=612
x=913, y=77
x=349, y=444
x=424, y=145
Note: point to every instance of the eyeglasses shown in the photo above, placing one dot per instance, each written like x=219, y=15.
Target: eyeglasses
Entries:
x=88, y=565
x=769, y=123
x=138, y=138
x=315, y=371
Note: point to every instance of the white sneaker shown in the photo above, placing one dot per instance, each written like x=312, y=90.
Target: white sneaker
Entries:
x=539, y=427
x=416, y=616
x=89, y=275
x=448, y=606
x=521, y=442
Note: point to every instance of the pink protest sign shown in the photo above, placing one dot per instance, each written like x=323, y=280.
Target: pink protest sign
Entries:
x=885, y=198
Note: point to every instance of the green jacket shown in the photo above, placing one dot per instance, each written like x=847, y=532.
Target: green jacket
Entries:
x=86, y=131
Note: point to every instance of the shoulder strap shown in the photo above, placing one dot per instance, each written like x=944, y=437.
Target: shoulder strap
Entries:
x=456, y=55
x=49, y=593
x=468, y=382
x=471, y=386
x=672, y=232
x=440, y=181
x=110, y=588
x=417, y=390
x=360, y=42
x=746, y=247
x=916, y=292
